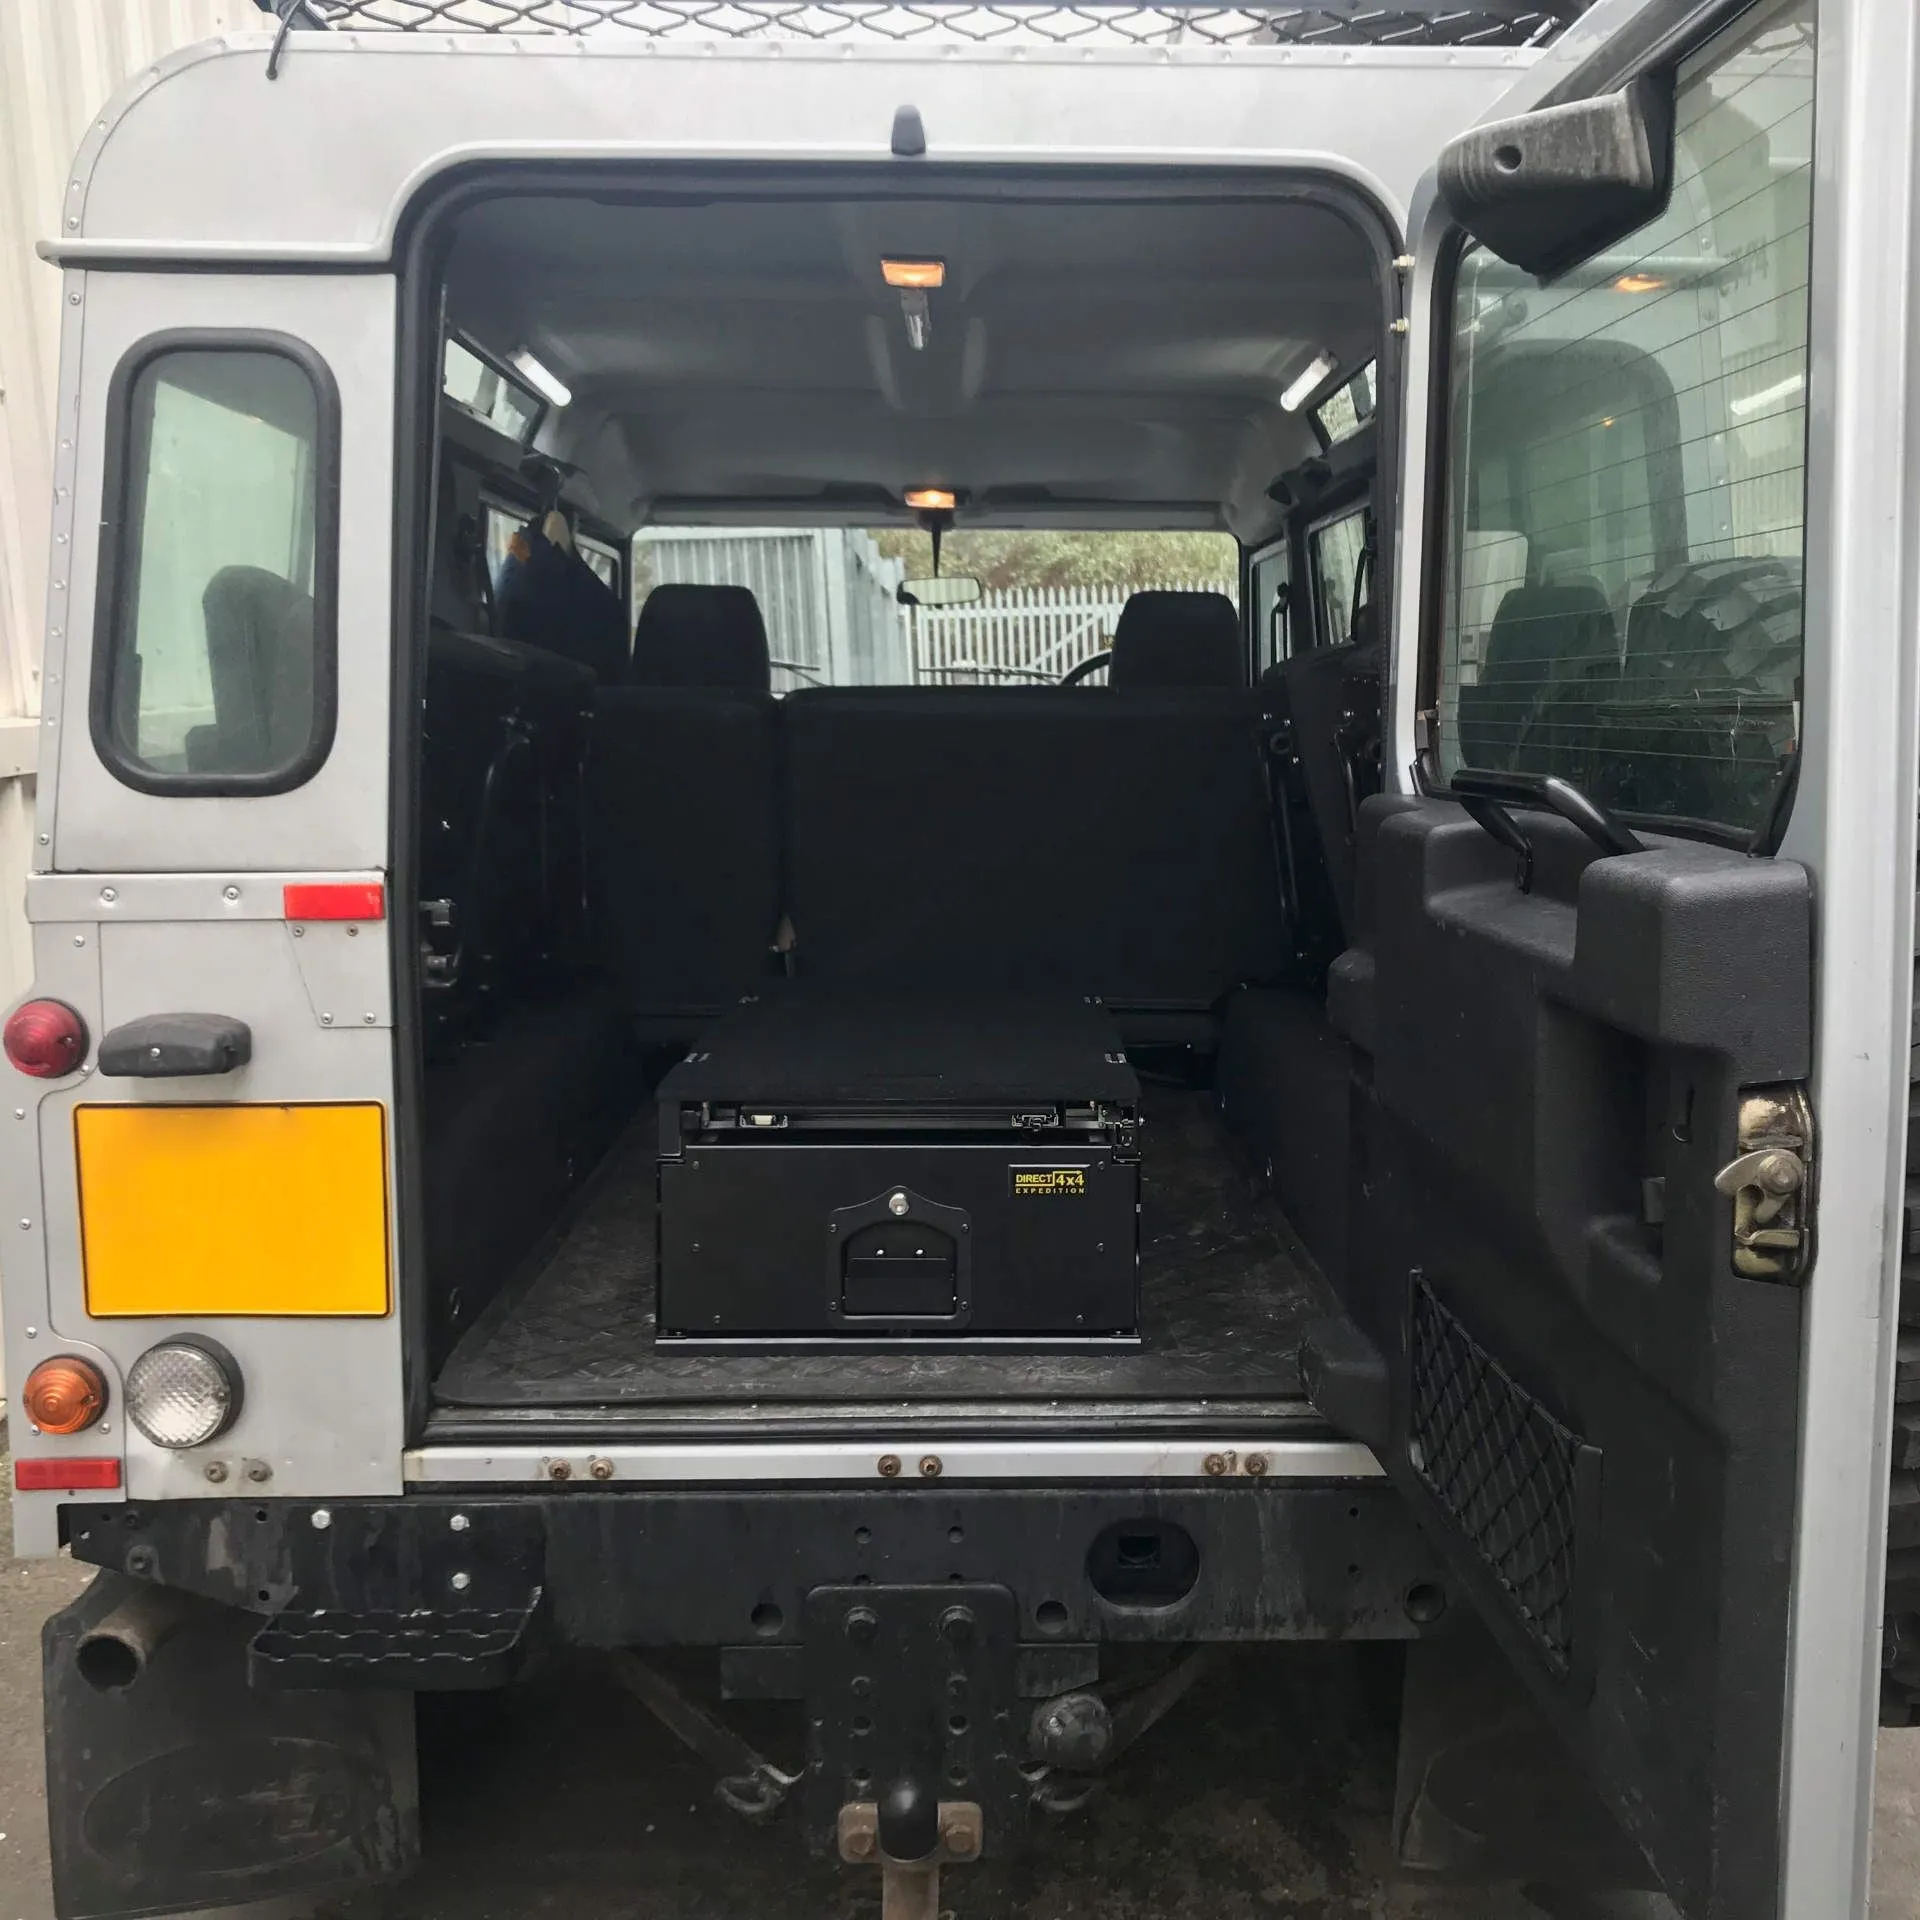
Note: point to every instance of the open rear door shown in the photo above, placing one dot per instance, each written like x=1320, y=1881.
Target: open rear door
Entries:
x=1590, y=1039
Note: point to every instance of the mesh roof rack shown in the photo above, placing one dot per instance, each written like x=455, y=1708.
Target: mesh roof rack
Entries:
x=1340, y=23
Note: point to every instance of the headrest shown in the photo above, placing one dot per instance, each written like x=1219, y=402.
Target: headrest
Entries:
x=1178, y=640
x=693, y=636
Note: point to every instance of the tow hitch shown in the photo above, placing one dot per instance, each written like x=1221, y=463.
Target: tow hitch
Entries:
x=919, y=1754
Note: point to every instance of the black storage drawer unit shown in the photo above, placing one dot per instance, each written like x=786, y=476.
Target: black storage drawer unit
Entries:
x=864, y=1169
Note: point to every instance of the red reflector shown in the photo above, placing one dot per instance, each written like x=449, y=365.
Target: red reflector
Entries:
x=347, y=900
x=65, y=1476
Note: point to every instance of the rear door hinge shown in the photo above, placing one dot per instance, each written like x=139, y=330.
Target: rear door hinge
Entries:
x=1771, y=1184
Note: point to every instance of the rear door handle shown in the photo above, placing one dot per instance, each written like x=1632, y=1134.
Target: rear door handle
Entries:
x=167, y=1046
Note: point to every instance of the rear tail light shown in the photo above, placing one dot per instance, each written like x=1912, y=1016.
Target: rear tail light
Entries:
x=45, y=1038
x=184, y=1392
x=64, y=1394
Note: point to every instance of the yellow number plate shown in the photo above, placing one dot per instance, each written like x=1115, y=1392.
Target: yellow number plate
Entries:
x=237, y=1209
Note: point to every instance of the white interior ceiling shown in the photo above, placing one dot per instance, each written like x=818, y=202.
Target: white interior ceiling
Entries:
x=1092, y=362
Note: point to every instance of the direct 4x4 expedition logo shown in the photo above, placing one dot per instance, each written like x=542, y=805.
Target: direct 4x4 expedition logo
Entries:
x=1037, y=1183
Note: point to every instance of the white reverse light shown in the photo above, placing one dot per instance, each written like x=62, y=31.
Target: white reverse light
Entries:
x=1309, y=382
x=184, y=1392
x=547, y=384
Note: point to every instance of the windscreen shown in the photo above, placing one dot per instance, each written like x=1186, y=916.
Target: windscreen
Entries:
x=1623, y=601
x=841, y=608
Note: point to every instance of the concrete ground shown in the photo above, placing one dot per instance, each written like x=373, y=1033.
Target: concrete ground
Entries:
x=1264, y=1797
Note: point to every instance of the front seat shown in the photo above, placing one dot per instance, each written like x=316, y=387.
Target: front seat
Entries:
x=682, y=831
x=1167, y=639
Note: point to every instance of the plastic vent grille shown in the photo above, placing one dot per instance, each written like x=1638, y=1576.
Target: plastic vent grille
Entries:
x=1434, y=23
x=1501, y=1465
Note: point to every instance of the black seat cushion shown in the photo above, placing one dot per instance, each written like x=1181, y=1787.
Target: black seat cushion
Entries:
x=699, y=636
x=1165, y=639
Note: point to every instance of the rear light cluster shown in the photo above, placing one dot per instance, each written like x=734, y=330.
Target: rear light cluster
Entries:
x=45, y=1038
x=181, y=1393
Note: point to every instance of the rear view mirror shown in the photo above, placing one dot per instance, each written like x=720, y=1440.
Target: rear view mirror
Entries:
x=1548, y=189
x=947, y=590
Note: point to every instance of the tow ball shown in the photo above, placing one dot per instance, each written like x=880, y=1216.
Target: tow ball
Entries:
x=910, y=1837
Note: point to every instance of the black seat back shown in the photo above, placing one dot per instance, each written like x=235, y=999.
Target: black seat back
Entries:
x=701, y=636
x=1112, y=844
x=1167, y=638
x=260, y=661
x=1551, y=650
x=1332, y=702
x=683, y=837
x=503, y=737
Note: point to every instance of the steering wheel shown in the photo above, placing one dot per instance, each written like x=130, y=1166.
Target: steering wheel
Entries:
x=1093, y=664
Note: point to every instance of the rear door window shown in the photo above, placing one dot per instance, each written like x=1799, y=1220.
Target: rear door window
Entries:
x=215, y=664
x=1623, y=600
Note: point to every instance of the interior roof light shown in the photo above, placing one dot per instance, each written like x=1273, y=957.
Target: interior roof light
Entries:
x=1308, y=382
x=923, y=275
x=547, y=384
x=930, y=499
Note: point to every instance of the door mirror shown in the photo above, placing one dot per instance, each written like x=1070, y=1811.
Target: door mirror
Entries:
x=945, y=590
x=1548, y=189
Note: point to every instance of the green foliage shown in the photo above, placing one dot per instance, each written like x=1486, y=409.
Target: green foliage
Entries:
x=1029, y=557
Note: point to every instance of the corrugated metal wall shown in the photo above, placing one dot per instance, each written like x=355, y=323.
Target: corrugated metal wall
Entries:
x=60, y=60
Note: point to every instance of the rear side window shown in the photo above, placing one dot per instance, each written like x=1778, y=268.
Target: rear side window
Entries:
x=1340, y=575
x=214, y=647
x=1623, y=600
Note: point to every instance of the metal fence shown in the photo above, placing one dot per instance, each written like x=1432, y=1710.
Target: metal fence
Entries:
x=1410, y=23
x=1021, y=636
x=826, y=594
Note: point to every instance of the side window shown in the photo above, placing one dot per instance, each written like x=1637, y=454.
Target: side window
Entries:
x=1271, y=583
x=1337, y=551
x=1626, y=486
x=603, y=560
x=214, y=642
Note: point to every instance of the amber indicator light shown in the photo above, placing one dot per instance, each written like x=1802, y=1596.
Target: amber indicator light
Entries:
x=64, y=1395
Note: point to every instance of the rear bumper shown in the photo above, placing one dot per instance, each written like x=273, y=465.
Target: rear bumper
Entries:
x=457, y=1588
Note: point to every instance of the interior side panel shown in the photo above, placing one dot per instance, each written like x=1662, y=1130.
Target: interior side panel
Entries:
x=1587, y=1401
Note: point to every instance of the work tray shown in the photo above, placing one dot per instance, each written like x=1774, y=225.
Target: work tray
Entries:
x=871, y=1169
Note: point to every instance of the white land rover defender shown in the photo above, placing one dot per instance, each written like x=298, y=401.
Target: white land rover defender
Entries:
x=607, y=1070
